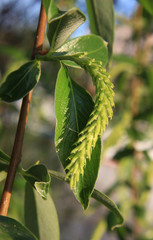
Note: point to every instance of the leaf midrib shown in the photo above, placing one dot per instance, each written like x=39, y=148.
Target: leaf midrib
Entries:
x=74, y=103
x=35, y=63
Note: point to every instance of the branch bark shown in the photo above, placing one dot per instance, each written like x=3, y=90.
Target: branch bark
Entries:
x=18, y=142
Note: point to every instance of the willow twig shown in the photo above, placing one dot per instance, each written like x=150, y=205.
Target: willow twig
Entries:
x=18, y=142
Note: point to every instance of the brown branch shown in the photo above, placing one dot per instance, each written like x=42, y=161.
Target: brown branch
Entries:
x=18, y=142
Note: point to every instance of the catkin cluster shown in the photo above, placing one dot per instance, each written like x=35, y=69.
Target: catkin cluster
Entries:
x=97, y=122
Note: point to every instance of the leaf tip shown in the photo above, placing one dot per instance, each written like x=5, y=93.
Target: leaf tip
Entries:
x=118, y=225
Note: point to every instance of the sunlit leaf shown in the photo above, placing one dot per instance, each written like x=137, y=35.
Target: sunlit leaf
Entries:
x=73, y=106
x=39, y=178
x=61, y=27
x=91, y=45
x=85, y=186
x=61, y=24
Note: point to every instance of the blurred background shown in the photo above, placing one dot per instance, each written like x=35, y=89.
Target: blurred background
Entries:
x=127, y=161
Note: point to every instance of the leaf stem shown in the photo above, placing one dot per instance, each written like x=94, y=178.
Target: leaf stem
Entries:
x=18, y=142
x=99, y=196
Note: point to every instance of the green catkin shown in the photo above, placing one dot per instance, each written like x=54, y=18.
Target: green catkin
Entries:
x=97, y=122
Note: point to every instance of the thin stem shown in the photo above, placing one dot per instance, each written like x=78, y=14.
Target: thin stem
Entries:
x=18, y=142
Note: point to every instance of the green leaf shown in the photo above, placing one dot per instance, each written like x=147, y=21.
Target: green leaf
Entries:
x=93, y=46
x=101, y=16
x=39, y=178
x=20, y=82
x=99, y=196
x=148, y=5
x=10, y=229
x=60, y=28
x=40, y=215
x=37, y=175
x=97, y=121
x=87, y=182
x=51, y=9
x=73, y=106
x=102, y=198
x=88, y=145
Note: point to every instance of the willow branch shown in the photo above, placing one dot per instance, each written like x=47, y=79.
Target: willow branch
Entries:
x=18, y=142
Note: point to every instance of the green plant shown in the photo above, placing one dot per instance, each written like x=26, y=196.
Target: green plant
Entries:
x=80, y=120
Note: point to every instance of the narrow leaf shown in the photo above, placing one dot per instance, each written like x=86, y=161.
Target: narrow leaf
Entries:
x=39, y=178
x=60, y=28
x=20, y=82
x=81, y=157
x=101, y=197
x=10, y=229
x=97, y=121
x=40, y=215
x=101, y=16
x=73, y=106
x=148, y=5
